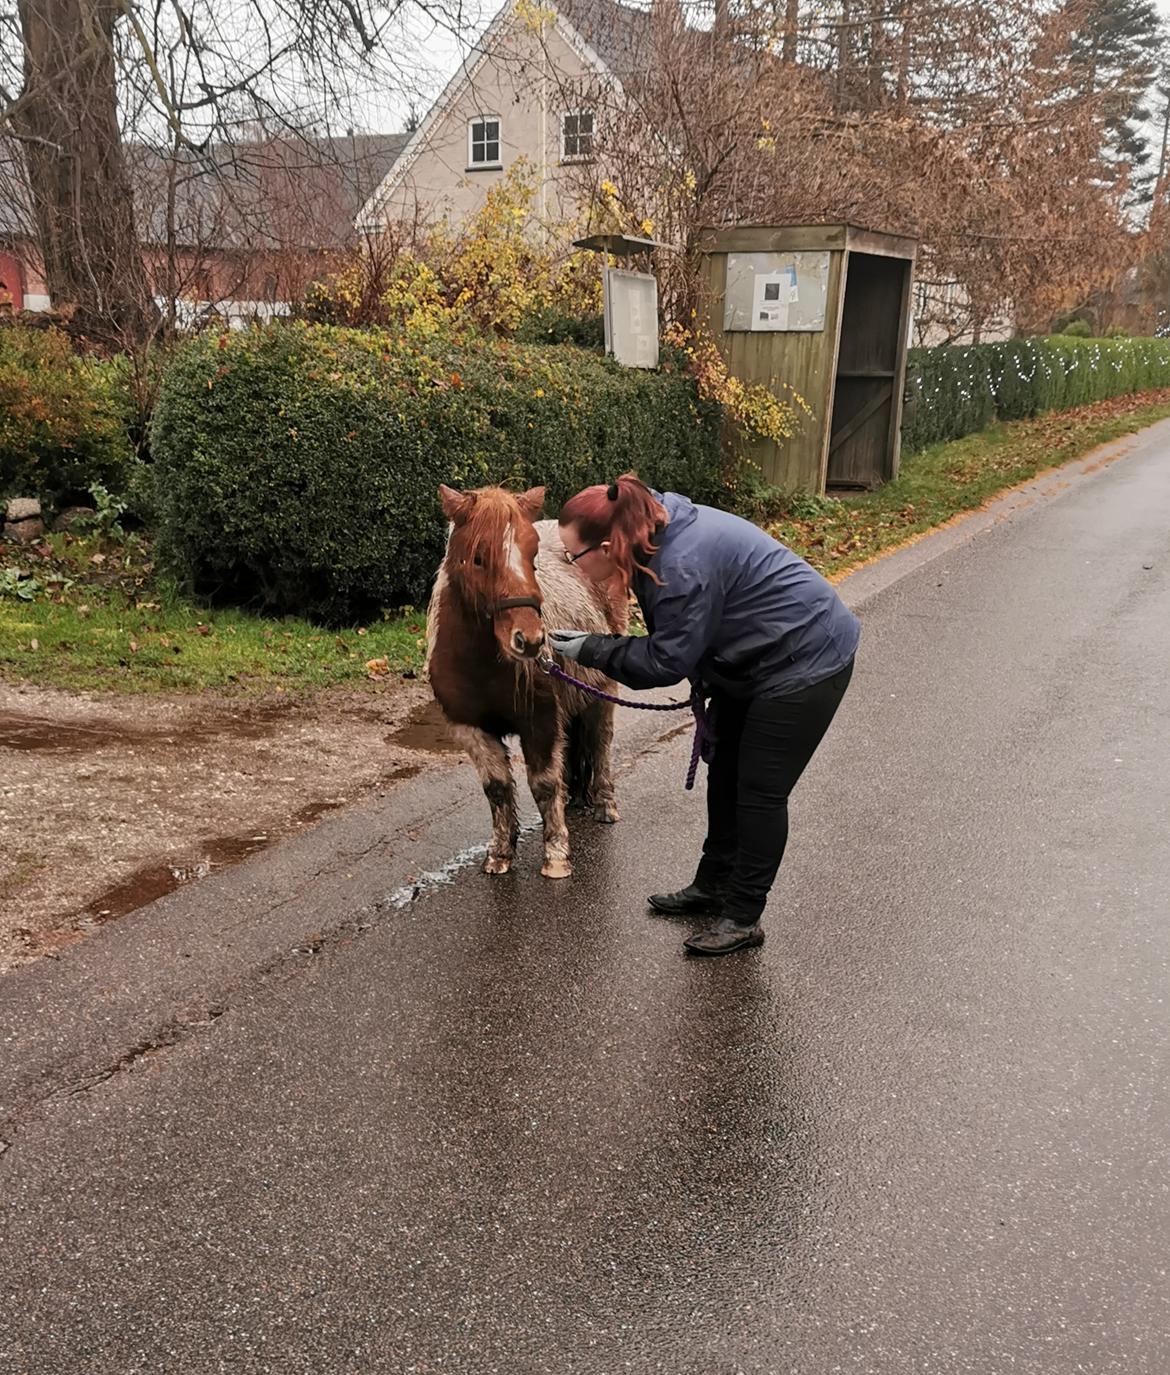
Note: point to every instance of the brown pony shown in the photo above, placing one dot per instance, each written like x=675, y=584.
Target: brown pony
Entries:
x=502, y=579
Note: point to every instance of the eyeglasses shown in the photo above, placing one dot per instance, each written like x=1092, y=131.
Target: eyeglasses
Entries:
x=572, y=558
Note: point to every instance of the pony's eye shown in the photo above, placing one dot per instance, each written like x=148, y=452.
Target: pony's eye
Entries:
x=478, y=561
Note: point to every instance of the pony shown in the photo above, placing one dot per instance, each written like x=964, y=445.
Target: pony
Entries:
x=504, y=576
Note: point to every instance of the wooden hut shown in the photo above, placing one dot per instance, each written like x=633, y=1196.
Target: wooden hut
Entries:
x=824, y=310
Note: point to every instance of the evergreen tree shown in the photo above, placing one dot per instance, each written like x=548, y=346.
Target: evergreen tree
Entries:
x=1117, y=45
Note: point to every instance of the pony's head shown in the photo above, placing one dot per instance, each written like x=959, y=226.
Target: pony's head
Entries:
x=491, y=562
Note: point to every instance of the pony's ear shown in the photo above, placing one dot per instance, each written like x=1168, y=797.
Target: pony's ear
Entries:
x=532, y=502
x=456, y=505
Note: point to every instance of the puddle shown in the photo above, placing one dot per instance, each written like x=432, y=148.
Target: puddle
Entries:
x=19, y=732
x=426, y=728
x=40, y=735
x=156, y=880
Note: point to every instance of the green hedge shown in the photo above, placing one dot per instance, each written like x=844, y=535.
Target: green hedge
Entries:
x=957, y=390
x=63, y=418
x=297, y=465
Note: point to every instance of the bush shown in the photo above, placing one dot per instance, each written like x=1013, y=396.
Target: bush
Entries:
x=544, y=325
x=957, y=390
x=1076, y=329
x=63, y=419
x=297, y=465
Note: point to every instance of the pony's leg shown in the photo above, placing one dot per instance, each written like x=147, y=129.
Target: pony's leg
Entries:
x=542, y=740
x=597, y=741
x=490, y=758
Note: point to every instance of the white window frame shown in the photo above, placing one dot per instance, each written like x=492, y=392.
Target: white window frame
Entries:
x=484, y=166
x=566, y=156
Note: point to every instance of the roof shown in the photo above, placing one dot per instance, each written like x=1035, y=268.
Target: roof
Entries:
x=618, y=34
x=612, y=38
x=261, y=193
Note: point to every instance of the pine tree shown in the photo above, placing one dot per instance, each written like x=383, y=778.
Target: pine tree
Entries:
x=1117, y=46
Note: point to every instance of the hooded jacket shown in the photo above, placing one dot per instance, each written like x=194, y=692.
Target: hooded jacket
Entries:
x=736, y=610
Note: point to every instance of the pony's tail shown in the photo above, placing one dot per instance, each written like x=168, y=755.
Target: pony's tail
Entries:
x=579, y=771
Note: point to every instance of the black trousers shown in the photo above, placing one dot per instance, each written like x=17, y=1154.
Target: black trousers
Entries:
x=763, y=745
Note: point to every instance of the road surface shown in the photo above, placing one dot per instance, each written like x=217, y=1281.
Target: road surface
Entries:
x=321, y=1115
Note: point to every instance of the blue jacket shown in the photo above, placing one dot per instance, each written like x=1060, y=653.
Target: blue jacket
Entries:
x=737, y=610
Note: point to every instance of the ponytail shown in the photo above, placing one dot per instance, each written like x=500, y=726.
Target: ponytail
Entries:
x=627, y=514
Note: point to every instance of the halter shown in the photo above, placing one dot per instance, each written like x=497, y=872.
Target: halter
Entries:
x=508, y=603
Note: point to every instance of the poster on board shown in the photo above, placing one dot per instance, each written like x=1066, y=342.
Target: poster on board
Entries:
x=776, y=291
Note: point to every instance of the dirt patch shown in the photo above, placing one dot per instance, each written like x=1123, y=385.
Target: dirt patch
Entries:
x=107, y=803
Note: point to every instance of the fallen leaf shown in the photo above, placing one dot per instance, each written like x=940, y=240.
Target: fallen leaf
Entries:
x=377, y=668
x=133, y=646
x=34, y=644
x=202, y=629
x=97, y=558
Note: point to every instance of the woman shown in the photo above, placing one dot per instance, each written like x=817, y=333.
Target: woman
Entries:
x=758, y=630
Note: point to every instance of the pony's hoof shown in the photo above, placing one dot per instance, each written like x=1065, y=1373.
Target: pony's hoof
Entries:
x=556, y=868
x=497, y=864
x=606, y=812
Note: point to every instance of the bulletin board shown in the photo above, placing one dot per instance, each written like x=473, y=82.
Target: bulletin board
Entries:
x=776, y=292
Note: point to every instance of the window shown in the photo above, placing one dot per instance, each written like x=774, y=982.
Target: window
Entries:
x=483, y=141
x=576, y=135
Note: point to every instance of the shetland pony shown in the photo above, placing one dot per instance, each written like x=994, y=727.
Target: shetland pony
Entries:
x=503, y=579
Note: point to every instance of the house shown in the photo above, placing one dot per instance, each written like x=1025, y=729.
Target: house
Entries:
x=527, y=92
x=237, y=232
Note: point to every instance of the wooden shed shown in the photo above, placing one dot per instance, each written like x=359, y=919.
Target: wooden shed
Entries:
x=824, y=310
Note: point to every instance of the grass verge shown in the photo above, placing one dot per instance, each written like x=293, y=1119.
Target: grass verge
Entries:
x=86, y=612
x=946, y=480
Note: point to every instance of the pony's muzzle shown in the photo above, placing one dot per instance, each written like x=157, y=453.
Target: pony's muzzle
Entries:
x=525, y=648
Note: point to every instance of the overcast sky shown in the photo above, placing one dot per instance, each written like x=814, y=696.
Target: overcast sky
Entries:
x=386, y=112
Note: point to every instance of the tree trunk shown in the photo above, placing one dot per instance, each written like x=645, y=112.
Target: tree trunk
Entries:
x=67, y=119
x=791, y=26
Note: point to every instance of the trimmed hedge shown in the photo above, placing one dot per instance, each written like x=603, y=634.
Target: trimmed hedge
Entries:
x=297, y=465
x=957, y=390
x=63, y=418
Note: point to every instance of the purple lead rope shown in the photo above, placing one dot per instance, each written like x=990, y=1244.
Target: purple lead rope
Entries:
x=704, y=746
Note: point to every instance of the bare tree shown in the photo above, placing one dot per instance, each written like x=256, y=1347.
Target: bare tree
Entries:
x=83, y=82
x=967, y=126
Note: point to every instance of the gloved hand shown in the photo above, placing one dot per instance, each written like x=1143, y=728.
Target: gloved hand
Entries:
x=567, y=642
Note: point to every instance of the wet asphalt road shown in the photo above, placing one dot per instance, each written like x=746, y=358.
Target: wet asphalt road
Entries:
x=508, y=1128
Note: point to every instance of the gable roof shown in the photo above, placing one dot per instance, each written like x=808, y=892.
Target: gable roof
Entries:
x=617, y=33
x=610, y=38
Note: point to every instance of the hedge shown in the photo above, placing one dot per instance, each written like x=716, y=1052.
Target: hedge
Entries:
x=297, y=465
x=955, y=391
x=63, y=418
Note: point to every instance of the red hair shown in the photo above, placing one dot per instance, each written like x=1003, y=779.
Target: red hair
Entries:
x=627, y=514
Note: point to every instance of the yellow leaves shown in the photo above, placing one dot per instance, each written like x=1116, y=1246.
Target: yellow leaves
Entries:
x=766, y=144
x=647, y=227
x=609, y=189
x=534, y=17
x=487, y=277
x=754, y=408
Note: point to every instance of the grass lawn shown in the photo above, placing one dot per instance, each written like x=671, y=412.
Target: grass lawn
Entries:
x=97, y=619
x=83, y=612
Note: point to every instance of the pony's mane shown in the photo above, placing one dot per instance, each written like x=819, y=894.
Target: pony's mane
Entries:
x=493, y=512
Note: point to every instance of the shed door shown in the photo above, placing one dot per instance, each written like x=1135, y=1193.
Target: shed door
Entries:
x=863, y=437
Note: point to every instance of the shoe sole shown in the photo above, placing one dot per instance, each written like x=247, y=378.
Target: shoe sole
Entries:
x=749, y=944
